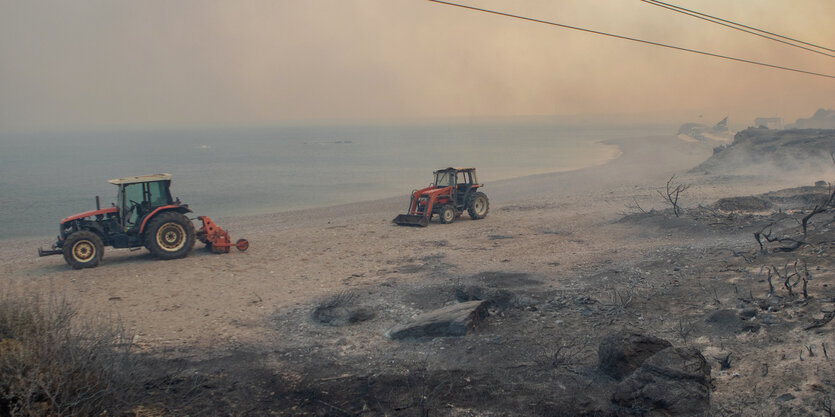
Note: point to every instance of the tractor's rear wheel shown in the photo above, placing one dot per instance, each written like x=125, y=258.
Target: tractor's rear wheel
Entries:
x=478, y=205
x=447, y=214
x=83, y=249
x=170, y=235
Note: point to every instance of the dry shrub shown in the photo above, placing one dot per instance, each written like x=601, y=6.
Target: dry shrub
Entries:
x=54, y=363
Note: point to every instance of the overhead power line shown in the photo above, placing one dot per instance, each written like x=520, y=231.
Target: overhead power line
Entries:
x=740, y=27
x=678, y=48
x=735, y=25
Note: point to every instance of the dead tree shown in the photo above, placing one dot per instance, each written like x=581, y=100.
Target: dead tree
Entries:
x=672, y=192
x=787, y=277
x=791, y=243
x=724, y=363
x=770, y=284
x=767, y=234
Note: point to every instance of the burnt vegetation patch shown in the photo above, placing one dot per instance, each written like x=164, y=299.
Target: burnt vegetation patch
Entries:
x=743, y=204
x=340, y=310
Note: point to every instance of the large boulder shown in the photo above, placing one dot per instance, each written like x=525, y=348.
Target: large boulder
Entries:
x=622, y=353
x=673, y=382
x=452, y=320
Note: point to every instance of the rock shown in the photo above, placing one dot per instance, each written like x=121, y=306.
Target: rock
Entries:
x=785, y=397
x=621, y=353
x=452, y=320
x=673, y=382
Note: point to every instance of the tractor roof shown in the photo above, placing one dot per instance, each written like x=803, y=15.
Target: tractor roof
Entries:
x=456, y=169
x=141, y=178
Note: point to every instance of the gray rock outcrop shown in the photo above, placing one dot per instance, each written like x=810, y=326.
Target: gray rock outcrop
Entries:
x=452, y=320
x=673, y=382
x=622, y=353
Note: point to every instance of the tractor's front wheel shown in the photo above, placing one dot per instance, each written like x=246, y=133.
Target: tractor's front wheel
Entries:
x=447, y=214
x=478, y=205
x=83, y=249
x=170, y=235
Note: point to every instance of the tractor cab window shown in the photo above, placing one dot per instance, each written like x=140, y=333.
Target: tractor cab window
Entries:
x=130, y=198
x=158, y=194
x=444, y=179
x=465, y=177
x=137, y=200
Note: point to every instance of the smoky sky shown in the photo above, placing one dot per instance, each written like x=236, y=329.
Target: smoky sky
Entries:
x=124, y=63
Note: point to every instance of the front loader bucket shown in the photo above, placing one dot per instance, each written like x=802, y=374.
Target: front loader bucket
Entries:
x=411, y=220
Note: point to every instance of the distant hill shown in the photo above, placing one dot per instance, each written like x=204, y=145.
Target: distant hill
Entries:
x=822, y=119
x=772, y=149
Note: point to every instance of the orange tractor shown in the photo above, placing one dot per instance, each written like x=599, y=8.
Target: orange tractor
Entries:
x=454, y=191
x=145, y=215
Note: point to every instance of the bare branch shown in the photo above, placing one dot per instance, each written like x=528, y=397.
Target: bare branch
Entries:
x=672, y=193
x=635, y=205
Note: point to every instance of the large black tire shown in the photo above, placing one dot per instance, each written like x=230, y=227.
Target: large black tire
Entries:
x=478, y=205
x=83, y=249
x=170, y=235
x=447, y=214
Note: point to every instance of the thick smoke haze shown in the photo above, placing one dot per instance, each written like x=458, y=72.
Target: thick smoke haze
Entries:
x=90, y=64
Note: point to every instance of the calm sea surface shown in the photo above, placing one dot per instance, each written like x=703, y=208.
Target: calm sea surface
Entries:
x=226, y=172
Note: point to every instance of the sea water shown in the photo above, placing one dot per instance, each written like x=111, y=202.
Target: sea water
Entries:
x=244, y=171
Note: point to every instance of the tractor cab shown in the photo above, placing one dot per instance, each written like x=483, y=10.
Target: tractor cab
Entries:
x=139, y=196
x=453, y=177
x=462, y=181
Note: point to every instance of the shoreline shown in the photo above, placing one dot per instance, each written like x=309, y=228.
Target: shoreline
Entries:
x=344, y=176
x=617, y=154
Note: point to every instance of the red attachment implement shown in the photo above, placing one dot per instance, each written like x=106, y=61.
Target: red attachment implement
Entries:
x=217, y=239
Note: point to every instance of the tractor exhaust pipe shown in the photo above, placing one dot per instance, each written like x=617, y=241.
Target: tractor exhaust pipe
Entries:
x=98, y=203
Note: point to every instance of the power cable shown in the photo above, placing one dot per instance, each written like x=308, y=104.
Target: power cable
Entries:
x=735, y=25
x=679, y=48
x=720, y=22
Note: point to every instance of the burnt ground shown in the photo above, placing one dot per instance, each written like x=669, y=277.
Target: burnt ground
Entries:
x=536, y=352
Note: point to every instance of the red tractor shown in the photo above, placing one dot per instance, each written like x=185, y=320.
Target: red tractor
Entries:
x=454, y=191
x=145, y=215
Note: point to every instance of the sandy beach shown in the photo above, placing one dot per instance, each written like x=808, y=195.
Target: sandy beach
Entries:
x=300, y=256
x=545, y=235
